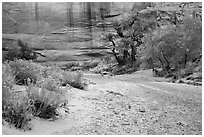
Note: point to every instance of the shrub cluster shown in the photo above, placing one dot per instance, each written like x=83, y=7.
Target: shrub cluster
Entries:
x=73, y=66
x=42, y=98
x=22, y=52
x=45, y=101
x=73, y=79
x=24, y=71
x=174, y=48
x=15, y=109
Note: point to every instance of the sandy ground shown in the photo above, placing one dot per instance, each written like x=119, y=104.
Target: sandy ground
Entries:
x=126, y=104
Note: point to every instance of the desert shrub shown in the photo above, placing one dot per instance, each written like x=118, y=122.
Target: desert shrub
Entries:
x=7, y=77
x=24, y=70
x=174, y=46
x=11, y=54
x=49, y=83
x=73, y=79
x=22, y=52
x=45, y=102
x=88, y=65
x=15, y=109
x=54, y=73
x=26, y=52
x=188, y=70
x=69, y=65
x=125, y=69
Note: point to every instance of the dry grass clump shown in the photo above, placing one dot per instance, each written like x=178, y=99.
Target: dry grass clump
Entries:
x=89, y=65
x=23, y=70
x=43, y=96
x=73, y=79
x=15, y=109
x=7, y=77
x=45, y=102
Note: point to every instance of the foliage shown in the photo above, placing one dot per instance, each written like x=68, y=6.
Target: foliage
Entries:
x=15, y=109
x=24, y=71
x=88, y=65
x=24, y=53
x=42, y=100
x=54, y=73
x=45, y=102
x=7, y=77
x=49, y=84
x=130, y=32
x=192, y=29
x=163, y=45
x=12, y=54
x=69, y=65
x=172, y=47
x=155, y=37
x=73, y=79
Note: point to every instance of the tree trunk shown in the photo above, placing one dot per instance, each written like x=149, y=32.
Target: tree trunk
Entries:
x=115, y=55
x=133, y=53
x=37, y=17
x=185, y=59
x=125, y=56
x=70, y=14
x=167, y=67
x=36, y=12
x=161, y=63
x=120, y=31
x=88, y=4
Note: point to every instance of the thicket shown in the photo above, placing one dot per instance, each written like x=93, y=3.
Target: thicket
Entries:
x=174, y=48
x=22, y=52
x=153, y=37
x=43, y=97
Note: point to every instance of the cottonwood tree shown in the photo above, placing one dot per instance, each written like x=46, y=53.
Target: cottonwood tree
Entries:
x=174, y=46
x=69, y=8
x=130, y=31
x=37, y=18
x=169, y=41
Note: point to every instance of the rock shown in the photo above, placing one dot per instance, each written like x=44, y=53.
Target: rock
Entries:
x=179, y=81
x=179, y=123
x=62, y=112
x=76, y=68
x=142, y=110
x=197, y=75
x=198, y=80
x=198, y=69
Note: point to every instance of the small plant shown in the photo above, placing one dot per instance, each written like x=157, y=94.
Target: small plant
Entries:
x=68, y=66
x=26, y=52
x=73, y=79
x=42, y=100
x=22, y=52
x=54, y=73
x=7, y=77
x=88, y=65
x=23, y=70
x=15, y=109
x=45, y=102
x=49, y=83
x=12, y=54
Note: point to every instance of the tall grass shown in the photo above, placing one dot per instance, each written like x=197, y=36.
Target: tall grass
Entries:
x=15, y=109
x=73, y=79
x=23, y=70
x=42, y=99
x=45, y=102
x=7, y=77
x=43, y=96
